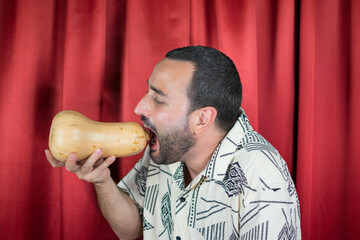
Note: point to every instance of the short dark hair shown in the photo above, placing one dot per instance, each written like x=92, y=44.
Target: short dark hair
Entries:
x=215, y=82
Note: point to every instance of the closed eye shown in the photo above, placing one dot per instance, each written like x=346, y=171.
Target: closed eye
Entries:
x=156, y=100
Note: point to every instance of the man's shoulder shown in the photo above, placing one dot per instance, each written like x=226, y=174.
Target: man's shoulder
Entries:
x=260, y=161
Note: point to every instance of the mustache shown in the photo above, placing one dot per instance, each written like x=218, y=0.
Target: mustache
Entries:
x=148, y=123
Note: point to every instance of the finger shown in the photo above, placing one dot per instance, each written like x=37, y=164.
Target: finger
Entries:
x=71, y=164
x=108, y=161
x=98, y=162
x=98, y=172
x=52, y=160
x=90, y=162
x=81, y=162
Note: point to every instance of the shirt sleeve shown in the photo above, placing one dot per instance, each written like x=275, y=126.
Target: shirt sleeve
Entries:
x=134, y=183
x=269, y=207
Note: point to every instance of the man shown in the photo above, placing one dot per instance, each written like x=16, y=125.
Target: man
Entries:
x=206, y=173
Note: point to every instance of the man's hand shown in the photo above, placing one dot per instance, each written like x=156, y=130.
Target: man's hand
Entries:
x=94, y=169
x=117, y=207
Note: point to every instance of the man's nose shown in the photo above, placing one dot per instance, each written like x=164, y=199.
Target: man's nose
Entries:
x=141, y=108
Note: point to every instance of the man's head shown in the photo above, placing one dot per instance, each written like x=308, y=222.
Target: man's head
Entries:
x=191, y=90
x=215, y=82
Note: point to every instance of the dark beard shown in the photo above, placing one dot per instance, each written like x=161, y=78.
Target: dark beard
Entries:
x=174, y=145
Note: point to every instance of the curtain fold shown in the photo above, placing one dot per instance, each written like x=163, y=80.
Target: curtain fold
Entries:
x=328, y=127
x=298, y=61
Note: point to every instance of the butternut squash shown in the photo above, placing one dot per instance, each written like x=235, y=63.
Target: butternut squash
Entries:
x=73, y=132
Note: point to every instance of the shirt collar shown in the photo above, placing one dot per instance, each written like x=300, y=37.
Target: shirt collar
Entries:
x=222, y=156
x=224, y=153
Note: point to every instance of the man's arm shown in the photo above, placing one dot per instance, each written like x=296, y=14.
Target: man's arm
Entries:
x=119, y=210
x=117, y=207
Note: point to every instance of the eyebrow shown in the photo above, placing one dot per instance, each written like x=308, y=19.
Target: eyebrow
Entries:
x=158, y=91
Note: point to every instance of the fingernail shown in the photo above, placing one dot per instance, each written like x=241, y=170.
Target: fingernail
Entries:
x=98, y=150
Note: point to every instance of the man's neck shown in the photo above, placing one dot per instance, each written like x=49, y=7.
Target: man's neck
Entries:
x=199, y=156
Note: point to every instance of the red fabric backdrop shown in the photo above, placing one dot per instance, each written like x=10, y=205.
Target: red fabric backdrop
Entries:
x=300, y=66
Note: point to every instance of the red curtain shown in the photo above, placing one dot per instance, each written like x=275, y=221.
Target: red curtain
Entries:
x=300, y=66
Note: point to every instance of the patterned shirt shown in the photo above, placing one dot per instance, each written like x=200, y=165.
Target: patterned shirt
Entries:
x=245, y=192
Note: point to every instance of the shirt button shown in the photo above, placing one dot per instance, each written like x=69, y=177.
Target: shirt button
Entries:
x=182, y=199
x=178, y=238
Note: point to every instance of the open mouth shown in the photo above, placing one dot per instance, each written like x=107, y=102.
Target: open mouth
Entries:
x=154, y=142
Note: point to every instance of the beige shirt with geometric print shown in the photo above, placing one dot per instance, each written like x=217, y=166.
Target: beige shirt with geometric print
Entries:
x=245, y=192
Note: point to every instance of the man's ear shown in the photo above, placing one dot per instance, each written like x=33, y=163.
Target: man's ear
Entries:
x=204, y=118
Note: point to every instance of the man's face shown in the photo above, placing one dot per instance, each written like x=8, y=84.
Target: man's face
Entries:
x=164, y=110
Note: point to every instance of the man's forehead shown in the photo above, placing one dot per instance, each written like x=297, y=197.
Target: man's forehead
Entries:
x=172, y=70
x=175, y=65
x=157, y=90
x=171, y=78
